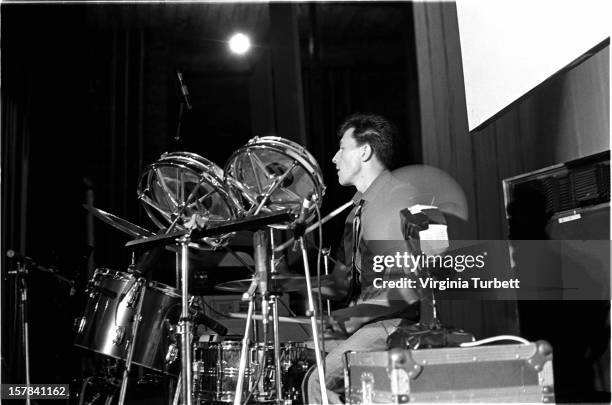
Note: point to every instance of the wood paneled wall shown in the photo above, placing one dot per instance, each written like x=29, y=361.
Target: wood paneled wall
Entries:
x=564, y=119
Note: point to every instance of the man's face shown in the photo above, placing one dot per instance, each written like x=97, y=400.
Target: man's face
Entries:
x=348, y=159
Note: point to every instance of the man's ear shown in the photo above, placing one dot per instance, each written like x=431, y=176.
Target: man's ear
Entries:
x=366, y=152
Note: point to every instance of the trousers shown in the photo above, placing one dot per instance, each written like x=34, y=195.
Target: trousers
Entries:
x=371, y=337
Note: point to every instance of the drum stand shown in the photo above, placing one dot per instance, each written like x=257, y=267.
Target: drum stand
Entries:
x=185, y=326
x=313, y=321
x=183, y=386
x=260, y=281
x=140, y=293
x=269, y=300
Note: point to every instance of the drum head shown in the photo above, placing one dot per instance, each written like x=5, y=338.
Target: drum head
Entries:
x=182, y=184
x=277, y=167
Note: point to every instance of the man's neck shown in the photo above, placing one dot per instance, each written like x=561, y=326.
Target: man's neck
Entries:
x=367, y=178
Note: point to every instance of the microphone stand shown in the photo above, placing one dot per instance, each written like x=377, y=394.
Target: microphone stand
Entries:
x=21, y=278
x=184, y=104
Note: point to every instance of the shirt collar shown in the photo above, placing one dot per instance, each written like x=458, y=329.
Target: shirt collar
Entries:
x=373, y=189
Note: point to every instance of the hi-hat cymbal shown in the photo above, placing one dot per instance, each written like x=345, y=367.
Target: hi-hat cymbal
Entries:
x=280, y=283
x=119, y=223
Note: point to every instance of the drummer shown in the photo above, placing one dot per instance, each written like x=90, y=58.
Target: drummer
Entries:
x=364, y=160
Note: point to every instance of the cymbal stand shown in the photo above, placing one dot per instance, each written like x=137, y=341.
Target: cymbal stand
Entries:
x=140, y=293
x=260, y=245
x=313, y=320
x=184, y=325
x=325, y=253
x=274, y=304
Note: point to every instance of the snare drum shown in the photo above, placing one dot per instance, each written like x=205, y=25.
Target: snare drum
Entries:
x=273, y=173
x=106, y=326
x=216, y=364
x=181, y=184
x=215, y=370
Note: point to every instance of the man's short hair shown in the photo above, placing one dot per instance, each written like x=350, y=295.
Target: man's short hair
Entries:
x=376, y=131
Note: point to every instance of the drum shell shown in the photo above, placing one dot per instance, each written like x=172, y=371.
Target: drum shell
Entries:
x=106, y=326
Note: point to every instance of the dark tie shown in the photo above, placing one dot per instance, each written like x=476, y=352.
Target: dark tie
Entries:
x=355, y=259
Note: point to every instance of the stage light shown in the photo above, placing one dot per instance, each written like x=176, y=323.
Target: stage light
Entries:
x=239, y=44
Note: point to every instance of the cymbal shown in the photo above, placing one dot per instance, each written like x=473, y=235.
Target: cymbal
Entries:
x=282, y=283
x=119, y=223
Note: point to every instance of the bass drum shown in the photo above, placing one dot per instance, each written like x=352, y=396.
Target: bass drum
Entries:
x=183, y=184
x=273, y=173
x=106, y=326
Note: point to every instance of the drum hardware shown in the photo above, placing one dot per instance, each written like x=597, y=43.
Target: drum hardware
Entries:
x=286, y=319
x=138, y=291
x=260, y=246
x=278, y=283
x=181, y=186
x=325, y=253
x=183, y=238
x=316, y=225
x=273, y=174
x=192, y=200
x=260, y=282
x=250, y=223
x=312, y=314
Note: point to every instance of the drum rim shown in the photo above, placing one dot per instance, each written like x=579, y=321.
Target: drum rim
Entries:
x=104, y=271
x=279, y=142
x=280, y=145
x=159, y=370
x=202, y=168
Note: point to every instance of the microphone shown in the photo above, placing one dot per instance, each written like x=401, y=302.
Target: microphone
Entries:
x=11, y=254
x=28, y=261
x=306, y=206
x=184, y=89
x=300, y=222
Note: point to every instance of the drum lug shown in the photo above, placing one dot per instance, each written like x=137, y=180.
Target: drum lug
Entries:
x=172, y=354
x=119, y=336
x=79, y=324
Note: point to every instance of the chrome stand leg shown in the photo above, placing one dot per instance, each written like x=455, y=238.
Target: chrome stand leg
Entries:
x=313, y=322
x=140, y=288
x=185, y=326
x=243, y=355
x=277, y=352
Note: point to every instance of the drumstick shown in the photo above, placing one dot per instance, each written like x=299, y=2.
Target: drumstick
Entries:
x=314, y=226
x=258, y=317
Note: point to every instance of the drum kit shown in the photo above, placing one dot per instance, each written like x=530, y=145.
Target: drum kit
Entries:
x=269, y=183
